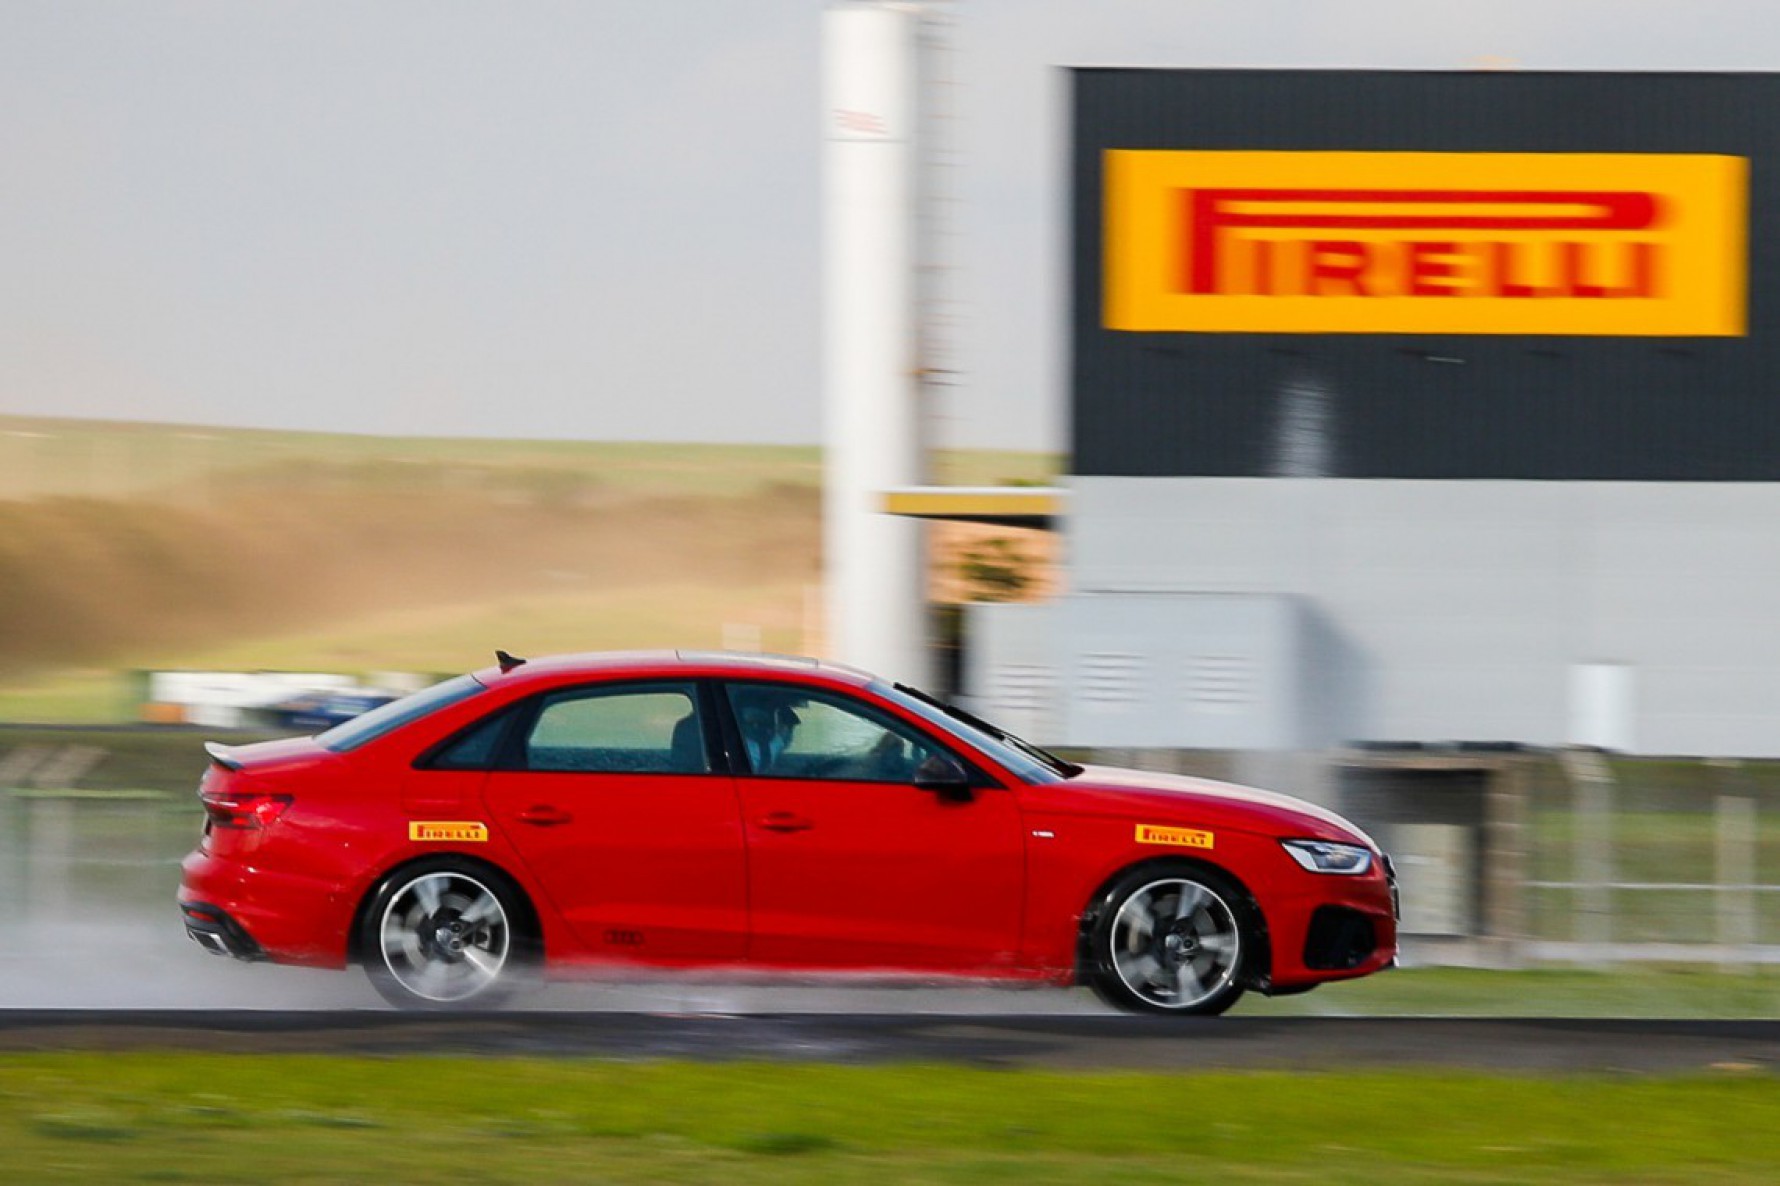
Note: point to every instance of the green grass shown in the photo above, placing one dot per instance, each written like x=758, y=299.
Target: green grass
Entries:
x=70, y=696
x=208, y=1118
x=1625, y=991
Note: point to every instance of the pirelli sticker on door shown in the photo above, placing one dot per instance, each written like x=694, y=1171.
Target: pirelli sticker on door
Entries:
x=1634, y=244
x=1175, y=837
x=458, y=831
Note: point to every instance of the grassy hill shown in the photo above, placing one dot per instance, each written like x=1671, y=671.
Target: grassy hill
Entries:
x=128, y=545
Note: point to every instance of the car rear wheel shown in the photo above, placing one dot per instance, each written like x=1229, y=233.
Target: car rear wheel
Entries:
x=446, y=934
x=1171, y=940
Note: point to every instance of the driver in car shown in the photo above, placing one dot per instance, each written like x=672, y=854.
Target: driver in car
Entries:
x=767, y=729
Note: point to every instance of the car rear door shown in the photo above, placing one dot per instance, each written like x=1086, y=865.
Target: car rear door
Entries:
x=852, y=866
x=611, y=797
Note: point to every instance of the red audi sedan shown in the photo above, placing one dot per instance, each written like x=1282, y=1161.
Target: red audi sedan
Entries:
x=682, y=810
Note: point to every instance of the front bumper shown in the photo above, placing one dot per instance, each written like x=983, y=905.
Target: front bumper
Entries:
x=1333, y=929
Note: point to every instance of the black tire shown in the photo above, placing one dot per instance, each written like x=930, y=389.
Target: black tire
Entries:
x=1147, y=955
x=447, y=933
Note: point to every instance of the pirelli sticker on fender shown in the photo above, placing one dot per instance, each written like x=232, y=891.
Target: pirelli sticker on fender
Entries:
x=457, y=831
x=1176, y=837
x=1644, y=244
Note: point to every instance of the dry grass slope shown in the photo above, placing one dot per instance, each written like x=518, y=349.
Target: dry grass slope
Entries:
x=137, y=545
x=86, y=580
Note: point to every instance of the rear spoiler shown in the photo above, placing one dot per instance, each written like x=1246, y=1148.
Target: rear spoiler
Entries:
x=222, y=755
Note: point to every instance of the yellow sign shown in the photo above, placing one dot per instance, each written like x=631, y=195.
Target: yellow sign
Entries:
x=1426, y=243
x=1178, y=837
x=461, y=832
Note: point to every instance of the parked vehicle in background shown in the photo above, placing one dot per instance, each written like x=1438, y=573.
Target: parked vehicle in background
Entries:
x=682, y=810
x=324, y=710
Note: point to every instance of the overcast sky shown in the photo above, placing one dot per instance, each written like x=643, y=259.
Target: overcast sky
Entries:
x=591, y=219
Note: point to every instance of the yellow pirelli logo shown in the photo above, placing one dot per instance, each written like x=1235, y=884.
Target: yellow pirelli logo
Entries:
x=460, y=831
x=1627, y=244
x=1178, y=837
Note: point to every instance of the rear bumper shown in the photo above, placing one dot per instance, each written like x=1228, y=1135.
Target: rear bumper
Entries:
x=265, y=913
x=213, y=929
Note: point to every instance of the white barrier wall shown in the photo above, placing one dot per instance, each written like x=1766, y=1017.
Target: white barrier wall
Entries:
x=1478, y=610
x=220, y=699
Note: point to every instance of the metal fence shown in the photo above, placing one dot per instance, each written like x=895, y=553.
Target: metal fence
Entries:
x=1653, y=860
x=1514, y=860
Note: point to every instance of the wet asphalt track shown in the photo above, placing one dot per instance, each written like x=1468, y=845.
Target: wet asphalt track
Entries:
x=1056, y=1041
x=137, y=982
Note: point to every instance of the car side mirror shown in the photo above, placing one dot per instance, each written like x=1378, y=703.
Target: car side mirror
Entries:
x=941, y=774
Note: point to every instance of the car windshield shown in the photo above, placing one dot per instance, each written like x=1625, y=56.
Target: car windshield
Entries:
x=1026, y=760
x=366, y=727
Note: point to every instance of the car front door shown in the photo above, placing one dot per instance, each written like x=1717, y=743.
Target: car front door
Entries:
x=611, y=797
x=850, y=865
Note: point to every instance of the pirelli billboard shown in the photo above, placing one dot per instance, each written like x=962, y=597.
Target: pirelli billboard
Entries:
x=1382, y=274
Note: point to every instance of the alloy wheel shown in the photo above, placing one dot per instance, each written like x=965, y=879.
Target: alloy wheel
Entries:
x=445, y=937
x=1175, y=943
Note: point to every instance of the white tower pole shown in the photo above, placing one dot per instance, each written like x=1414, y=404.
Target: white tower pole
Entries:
x=872, y=434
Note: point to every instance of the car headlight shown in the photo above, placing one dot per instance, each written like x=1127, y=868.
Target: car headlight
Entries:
x=1326, y=856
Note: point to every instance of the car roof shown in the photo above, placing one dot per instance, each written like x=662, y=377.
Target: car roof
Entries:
x=616, y=664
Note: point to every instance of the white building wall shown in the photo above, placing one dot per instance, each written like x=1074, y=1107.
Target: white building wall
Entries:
x=1020, y=687
x=1463, y=608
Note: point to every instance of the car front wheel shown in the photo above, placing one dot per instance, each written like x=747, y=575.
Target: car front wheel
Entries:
x=445, y=934
x=1171, y=940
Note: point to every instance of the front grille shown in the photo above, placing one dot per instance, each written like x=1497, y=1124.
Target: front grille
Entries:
x=1339, y=939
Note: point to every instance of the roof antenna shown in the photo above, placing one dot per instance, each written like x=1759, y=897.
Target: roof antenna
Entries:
x=507, y=662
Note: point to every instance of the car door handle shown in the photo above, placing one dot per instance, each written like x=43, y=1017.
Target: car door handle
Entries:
x=785, y=821
x=544, y=816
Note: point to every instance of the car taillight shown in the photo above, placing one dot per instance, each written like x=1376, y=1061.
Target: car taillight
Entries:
x=238, y=809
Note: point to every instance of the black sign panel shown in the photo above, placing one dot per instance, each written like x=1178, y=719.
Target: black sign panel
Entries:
x=1421, y=405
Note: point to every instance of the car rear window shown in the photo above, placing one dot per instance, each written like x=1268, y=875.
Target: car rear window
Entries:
x=368, y=727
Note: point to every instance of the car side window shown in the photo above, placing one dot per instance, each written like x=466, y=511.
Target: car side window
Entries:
x=473, y=748
x=790, y=732
x=653, y=730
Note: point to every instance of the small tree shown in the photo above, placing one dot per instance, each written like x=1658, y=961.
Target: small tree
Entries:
x=996, y=569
